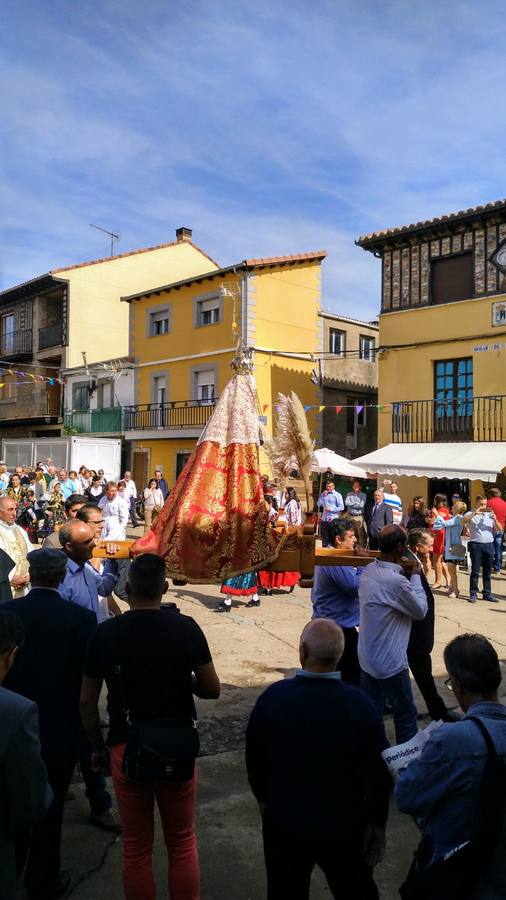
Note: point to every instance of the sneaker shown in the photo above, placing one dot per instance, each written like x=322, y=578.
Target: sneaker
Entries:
x=472, y=599
x=452, y=595
x=490, y=598
x=108, y=819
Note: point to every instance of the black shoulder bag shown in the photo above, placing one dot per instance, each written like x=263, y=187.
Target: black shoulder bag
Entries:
x=456, y=875
x=161, y=749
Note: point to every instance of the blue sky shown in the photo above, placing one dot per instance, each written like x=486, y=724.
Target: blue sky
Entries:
x=270, y=127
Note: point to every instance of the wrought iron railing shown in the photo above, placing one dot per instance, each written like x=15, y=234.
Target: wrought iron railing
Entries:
x=176, y=414
x=51, y=336
x=452, y=419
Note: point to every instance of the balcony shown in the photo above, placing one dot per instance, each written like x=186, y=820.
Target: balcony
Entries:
x=51, y=336
x=454, y=420
x=16, y=343
x=95, y=421
x=30, y=403
x=178, y=414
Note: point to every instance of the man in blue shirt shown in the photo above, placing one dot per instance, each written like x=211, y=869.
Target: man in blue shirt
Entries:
x=442, y=786
x=391, y=595
x=335, y=596
x=331, y=505
x=82, y=583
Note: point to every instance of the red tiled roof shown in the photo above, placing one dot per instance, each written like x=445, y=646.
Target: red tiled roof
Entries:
x=279, y=260
x=94, y=262
x=487, y=208
x=245, y=265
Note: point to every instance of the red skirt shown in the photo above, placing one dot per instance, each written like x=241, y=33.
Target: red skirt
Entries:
x=270, y=580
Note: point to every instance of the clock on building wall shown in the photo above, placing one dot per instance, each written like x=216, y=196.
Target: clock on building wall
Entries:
x=498, y=258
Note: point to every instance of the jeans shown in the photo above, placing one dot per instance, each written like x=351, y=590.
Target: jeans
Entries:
x=498, y=548
x=482, y=556
x=397, y=690
x=176, y=805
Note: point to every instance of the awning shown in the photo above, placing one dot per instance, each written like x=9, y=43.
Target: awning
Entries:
x=480, y=461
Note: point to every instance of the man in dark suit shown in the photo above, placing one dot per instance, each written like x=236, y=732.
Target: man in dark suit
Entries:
x=421, y=641
x=379, y=516
x=313, y=746
x=48, y=670
x=24, y=792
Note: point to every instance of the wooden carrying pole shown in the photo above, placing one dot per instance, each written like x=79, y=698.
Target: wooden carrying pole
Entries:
x=299, y=554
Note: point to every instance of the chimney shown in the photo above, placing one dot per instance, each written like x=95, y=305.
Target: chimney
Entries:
x=183, y=234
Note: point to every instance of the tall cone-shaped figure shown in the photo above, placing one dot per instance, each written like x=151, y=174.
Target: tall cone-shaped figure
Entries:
x=214, y=524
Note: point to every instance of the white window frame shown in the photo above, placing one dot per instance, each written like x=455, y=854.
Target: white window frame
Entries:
x=207, y=303
x=205, y=397
x=367, y=355
x=334, y=332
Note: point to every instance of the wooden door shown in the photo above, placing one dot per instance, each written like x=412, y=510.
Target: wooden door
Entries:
x=140, y=469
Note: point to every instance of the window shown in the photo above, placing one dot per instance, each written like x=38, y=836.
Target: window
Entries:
x=454, y=386
x=7, y=386
x=81, y=397
x=159, y=322
x=337, y=341
x=7, y=334
x=208, y=311
x=159, y=389
x=366, y=348
x=451, y=278
x=205, y=386
x=351, y=424
x=105, y=395
x=454, y=396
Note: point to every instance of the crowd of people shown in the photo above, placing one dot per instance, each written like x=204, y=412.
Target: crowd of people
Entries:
x=41, y=493
x=313, y=742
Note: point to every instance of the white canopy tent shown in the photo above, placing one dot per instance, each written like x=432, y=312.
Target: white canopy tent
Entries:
x=326, y=460
x=479, y=461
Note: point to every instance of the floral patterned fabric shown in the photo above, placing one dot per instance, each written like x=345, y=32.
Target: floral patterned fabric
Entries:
x=214, y=524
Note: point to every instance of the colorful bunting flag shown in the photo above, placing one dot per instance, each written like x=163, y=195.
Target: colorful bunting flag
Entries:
x=265, y=407
x=338, y=409
x=321, y=408
x=359, y=409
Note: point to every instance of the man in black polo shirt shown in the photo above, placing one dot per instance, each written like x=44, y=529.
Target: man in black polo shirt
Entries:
x=153, y=660
x=313, y=746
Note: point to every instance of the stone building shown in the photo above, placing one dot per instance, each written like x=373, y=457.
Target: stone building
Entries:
x=349, y=379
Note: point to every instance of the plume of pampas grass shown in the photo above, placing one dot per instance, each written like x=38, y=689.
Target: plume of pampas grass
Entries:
x=294, y=441
x=277, y=461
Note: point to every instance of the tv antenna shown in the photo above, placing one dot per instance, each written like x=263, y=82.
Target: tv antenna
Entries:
x=112, y=235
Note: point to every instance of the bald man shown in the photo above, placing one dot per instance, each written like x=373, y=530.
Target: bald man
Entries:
x=82, y=583
x=313, y=746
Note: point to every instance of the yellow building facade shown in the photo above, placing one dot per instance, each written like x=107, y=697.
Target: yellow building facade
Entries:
x=95, y=288
x=442, y=357
x=184, y=335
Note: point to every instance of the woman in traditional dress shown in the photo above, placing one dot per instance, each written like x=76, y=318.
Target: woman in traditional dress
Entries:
x=270, y=580
x=240, y=586
x=16, y=491
x=56, y=506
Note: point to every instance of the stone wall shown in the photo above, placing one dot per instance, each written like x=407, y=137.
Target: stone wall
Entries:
x=406, y=268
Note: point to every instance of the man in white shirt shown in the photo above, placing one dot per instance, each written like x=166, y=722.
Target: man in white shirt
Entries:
x=115, y=511
x=391, y=595
x=14, y=541
x=130, y=495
